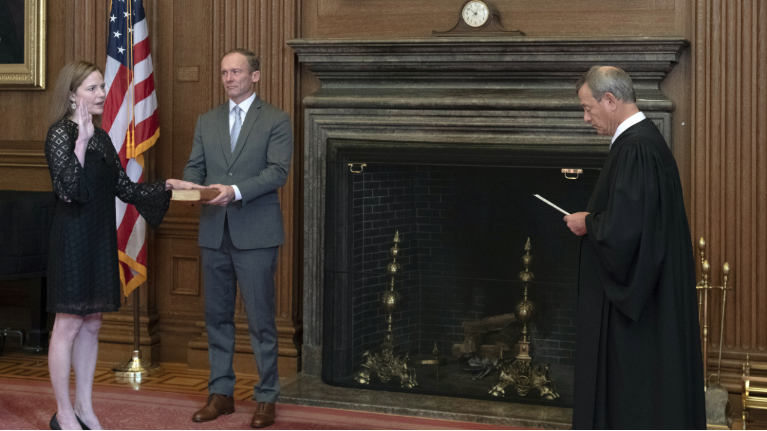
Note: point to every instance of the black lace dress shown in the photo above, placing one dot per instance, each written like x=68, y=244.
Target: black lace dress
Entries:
x=83, y=272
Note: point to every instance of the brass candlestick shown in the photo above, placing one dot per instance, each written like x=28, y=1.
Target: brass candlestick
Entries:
x=385, y=365
x=519, y=372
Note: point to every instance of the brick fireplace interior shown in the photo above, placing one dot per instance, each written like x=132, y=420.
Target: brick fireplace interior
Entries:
x=463, y=230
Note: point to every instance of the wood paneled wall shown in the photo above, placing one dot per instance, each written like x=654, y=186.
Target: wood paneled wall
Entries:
x=720, y=139
x=72, y=30
x=188, y=38
x=729, y=171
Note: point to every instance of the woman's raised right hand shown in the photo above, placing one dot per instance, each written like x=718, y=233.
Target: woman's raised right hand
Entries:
x=85, y=131
x=84, y=123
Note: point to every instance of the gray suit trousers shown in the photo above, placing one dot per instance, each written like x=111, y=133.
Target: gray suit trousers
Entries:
x=254, y=269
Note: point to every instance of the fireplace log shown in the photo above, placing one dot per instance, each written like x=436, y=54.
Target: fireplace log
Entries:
x=492, y=323
x=479, y=332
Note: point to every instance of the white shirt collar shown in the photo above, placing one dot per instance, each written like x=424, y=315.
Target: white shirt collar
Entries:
x=244, y=105
x=630, y=121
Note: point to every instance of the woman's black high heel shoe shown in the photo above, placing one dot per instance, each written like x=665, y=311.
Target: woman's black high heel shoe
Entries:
x=55, y=423
x=82, y=424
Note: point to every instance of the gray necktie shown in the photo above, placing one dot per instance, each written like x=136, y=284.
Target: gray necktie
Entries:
x=237, y=126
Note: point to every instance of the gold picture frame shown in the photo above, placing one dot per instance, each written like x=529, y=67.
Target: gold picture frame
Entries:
x=29, y=75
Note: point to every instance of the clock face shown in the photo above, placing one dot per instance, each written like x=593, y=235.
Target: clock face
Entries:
x=475, y=13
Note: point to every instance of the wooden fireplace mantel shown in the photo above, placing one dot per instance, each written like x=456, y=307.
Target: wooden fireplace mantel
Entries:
x=490, y=62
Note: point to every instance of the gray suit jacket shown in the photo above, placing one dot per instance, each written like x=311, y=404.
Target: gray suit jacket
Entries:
x=258, y=166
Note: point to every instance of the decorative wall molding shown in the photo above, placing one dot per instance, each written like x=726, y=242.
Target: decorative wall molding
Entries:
x=187, y=276
x=23, y=154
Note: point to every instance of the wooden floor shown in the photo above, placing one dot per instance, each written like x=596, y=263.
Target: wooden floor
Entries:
x=176, y=378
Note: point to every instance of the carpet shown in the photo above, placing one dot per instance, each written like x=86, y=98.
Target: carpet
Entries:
x=30, y=404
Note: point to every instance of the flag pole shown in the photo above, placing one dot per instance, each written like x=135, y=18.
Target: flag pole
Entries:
x=135, y=369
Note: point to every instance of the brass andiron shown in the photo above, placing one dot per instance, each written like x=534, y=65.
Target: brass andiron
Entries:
x=525, y=308
x=519, y=372
x=716, y=395
x=385, y=365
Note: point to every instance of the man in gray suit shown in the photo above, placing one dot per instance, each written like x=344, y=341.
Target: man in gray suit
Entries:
x=243, y=149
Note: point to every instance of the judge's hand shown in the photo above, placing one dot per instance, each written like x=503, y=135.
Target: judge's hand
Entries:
x=182, y=185
x=225, y=195
x=577, y=223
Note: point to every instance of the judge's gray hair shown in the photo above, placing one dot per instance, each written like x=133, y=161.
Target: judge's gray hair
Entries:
x=608, y=79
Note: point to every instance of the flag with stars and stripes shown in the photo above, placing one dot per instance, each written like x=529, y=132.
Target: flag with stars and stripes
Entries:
x=130, y=118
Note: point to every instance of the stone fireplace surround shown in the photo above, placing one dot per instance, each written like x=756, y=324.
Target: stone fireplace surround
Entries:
x=501, y=101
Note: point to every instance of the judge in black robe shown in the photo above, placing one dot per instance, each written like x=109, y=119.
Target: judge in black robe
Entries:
x=638, y=362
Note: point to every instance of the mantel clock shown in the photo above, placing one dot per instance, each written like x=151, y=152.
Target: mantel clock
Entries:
x=478, y=18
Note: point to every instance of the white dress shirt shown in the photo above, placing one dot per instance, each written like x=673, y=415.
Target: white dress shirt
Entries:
x=630, y=121
x=244, y=105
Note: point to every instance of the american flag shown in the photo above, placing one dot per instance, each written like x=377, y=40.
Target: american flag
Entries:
x=130, y=118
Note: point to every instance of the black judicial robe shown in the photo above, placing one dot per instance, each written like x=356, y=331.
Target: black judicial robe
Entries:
x=638, y=361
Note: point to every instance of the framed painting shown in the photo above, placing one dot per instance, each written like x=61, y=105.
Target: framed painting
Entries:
x=22, y=44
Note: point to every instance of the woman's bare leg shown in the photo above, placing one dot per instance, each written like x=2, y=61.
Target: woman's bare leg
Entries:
x=65, y=331
x=84, y=355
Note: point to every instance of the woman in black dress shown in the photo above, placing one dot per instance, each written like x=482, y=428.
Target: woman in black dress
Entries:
x=83, y=271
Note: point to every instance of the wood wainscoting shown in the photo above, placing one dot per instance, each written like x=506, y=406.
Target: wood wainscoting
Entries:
x=23, y=166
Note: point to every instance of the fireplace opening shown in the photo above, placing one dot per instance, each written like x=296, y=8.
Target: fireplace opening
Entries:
x=462, y=231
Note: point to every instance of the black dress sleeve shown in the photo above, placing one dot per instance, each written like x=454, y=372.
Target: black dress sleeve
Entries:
x=150, y=199
x=67, y=174
x=628, y=237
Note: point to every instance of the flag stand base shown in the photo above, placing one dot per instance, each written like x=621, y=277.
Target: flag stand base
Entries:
x=135, y=368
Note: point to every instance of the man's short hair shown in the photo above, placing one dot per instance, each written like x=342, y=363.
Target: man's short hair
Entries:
x=608, y=79
x=250, y=56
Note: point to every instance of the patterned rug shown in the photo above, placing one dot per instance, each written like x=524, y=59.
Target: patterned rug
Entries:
x=29, y=405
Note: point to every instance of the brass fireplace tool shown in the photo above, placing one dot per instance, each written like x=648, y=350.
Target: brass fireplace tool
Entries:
x=385, y=365
x=716, y=395
x=519, y=372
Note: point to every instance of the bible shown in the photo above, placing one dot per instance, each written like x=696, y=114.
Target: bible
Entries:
x=194, y=195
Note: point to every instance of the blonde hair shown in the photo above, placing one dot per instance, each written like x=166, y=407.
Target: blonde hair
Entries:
x=70, y=78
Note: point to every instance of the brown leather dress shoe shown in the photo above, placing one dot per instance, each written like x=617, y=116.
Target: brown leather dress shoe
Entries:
x=264, y=415
x=216, y=406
